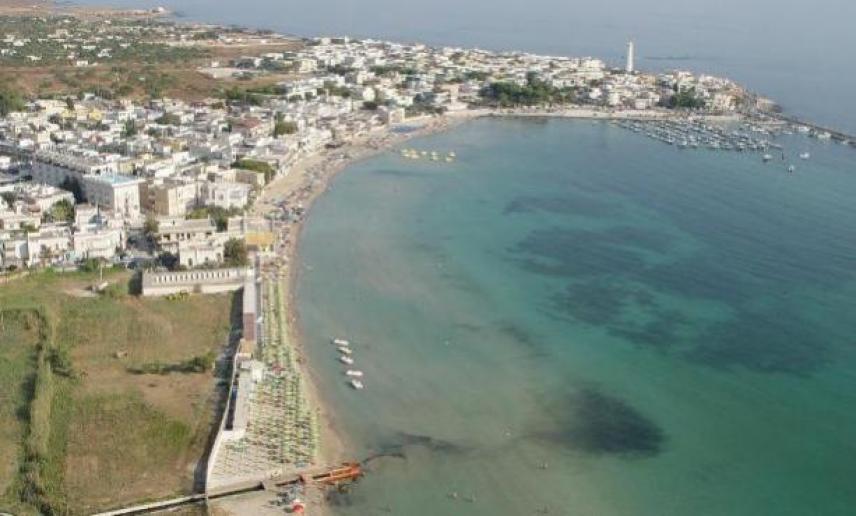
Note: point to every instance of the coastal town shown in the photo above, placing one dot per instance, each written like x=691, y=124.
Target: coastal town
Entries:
x=171, y=182
x=204, y=193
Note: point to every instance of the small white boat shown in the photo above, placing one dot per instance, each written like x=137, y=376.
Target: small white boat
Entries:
x=791, y=169
x=354, y=373
x=341, y=342
x=344, y=350
x=356, y=384
x=452, y=154
x=345, y=359
x=824, y=136
x=767, y=157
x=805, y=155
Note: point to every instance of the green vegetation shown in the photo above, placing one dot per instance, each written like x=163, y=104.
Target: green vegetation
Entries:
x=335, y=90
x=534, y=92
x=141, y=38
x=282, y=128
x=129, y=130
x=235, y=253
x=475, y=75
x=81, y=433
x=62, y=211
x=262, y=167
x=340, y=69
x=169, y=119
x=198, y=364
x=255, y=96
x=19, y=342
x=10, y=101
x=685, y=99
x=8, y=197
x=388, y=70
x=218, y=214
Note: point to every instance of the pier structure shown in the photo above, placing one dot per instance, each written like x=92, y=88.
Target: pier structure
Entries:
x=317, y=477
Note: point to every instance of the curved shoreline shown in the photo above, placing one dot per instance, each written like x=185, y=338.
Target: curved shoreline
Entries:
x=308, y=179
x=312, y=176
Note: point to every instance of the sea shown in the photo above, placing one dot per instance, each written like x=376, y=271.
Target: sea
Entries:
x=572, y=318
x=575, y=319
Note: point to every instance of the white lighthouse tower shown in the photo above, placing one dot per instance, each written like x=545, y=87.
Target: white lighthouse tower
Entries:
x=629, y=67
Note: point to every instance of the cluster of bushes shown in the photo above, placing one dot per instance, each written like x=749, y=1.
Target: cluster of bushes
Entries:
x=218, y=214
x=534, y=92
x=197, y=364
x=685, y=99
x=262, y=167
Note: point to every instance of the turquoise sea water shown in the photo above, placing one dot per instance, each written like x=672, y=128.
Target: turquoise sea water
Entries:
x=578, y=319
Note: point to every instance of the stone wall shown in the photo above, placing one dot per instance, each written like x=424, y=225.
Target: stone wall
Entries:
x=207, y=281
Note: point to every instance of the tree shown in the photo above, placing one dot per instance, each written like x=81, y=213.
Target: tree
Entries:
x=10, y=101
x=150, y=227
x=69, y=103
x=261, y=167
x=169, y=119
x=62, y=211
x=235, y=253
x=169, y=260
x=130, y=129
x=9, y=197
x=283, y=127
x=687, y=99
x=219, y=215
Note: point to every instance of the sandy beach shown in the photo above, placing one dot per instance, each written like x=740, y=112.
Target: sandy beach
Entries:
x=307, y=178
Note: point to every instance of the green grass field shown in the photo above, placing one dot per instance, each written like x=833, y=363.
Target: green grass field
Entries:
x=82, y=429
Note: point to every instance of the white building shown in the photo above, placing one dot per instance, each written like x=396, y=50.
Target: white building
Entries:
x=99, y=243
x=226, y=195
x=630, y=58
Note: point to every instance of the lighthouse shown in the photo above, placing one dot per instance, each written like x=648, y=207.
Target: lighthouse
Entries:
x=629, y=67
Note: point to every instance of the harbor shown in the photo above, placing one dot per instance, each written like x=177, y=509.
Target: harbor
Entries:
x=748, y=136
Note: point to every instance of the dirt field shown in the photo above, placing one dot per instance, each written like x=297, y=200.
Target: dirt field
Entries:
x=116, y=436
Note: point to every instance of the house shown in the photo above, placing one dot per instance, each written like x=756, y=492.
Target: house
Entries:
x=226, y=195
x=200, y=253
x=97, y=243
x=171, y=231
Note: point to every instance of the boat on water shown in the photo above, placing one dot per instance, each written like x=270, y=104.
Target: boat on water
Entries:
x=792, y=169
x=805, y=155
x=354, y=373
x=341, y=342
x=356, y=384
x=452, y=154
x=345, y=359
x=824, y=136
x=345, y=350
x=767, y=157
